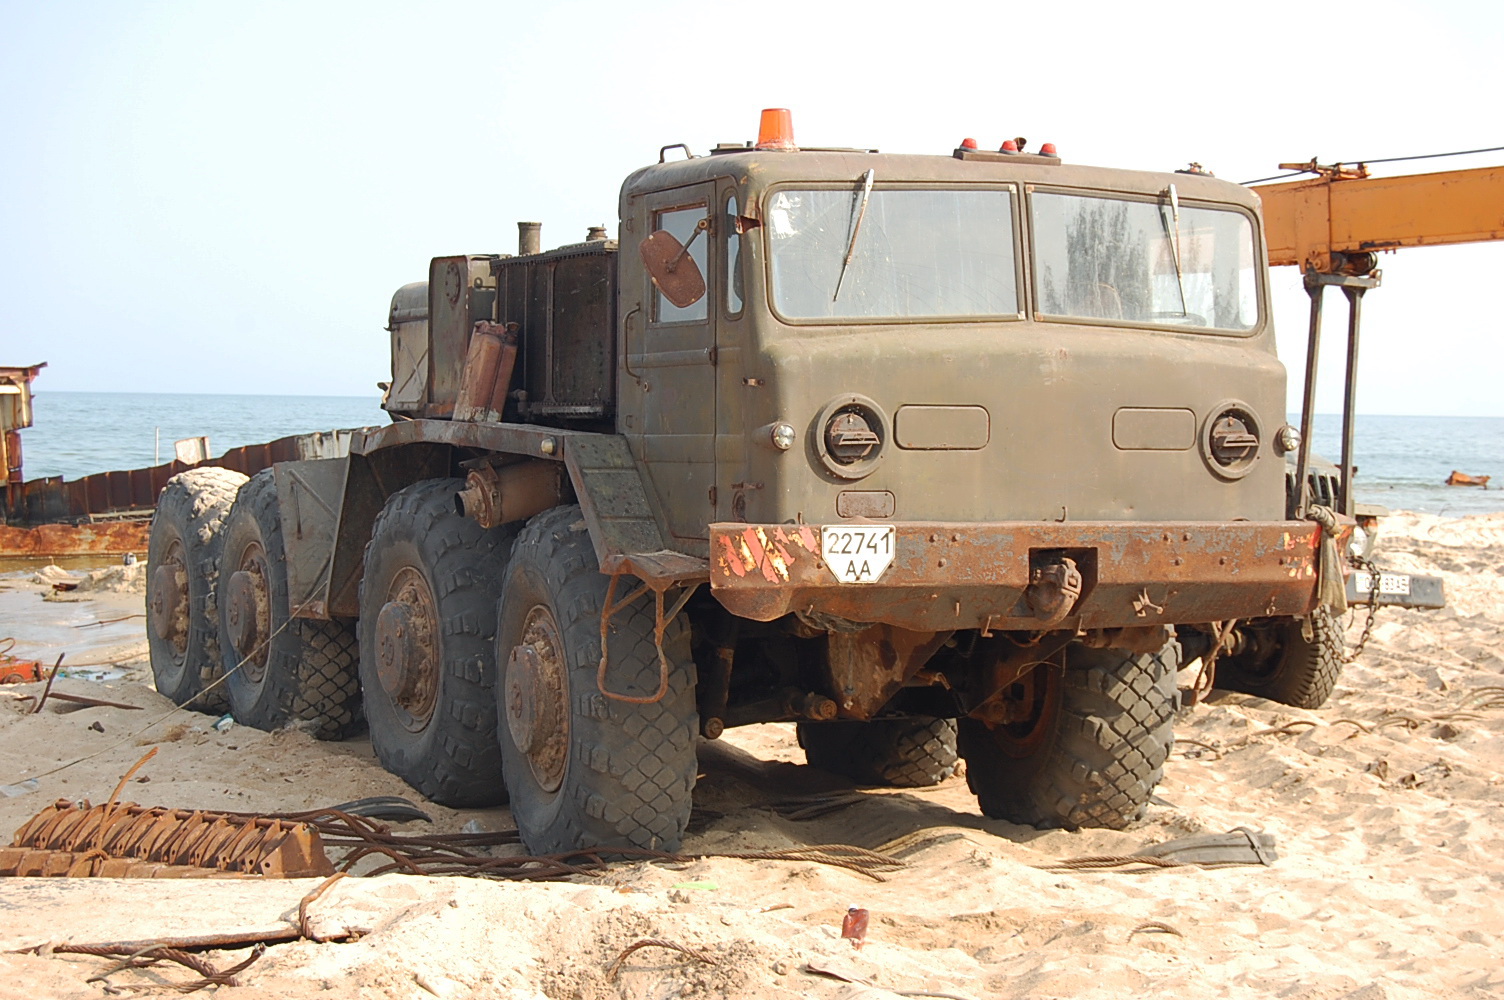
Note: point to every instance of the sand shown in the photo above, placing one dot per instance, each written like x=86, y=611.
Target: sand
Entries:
x=1386, y=806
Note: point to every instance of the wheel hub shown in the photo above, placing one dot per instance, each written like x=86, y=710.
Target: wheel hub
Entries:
x=536, y=699
x=248, y=614
x=167, y=600
x=407, y=659
x=1030, y=711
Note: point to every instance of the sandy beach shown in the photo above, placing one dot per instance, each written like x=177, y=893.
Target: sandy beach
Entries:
x=1386, y=809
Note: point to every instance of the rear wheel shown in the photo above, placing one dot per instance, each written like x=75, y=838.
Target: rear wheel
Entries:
x=427, y=644
x=286, y=669
x=905, y=753
x=1280, y=663
x=585, y=770
x=182, y=623
x=1093, y=745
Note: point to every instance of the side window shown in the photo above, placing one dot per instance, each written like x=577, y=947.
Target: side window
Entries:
x=684, y=224
x=733, y=276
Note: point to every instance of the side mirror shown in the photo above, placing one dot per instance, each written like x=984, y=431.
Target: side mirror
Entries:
x=672, y=269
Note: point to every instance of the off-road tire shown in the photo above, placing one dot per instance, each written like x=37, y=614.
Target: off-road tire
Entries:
x=904, y=753
x=1281, y=664
x=188, y=520
x=303, y=670
x=446, y=749
x=623, y=773
x=1098, y=763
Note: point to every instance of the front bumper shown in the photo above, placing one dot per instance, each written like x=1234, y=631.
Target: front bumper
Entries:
x=974, y=575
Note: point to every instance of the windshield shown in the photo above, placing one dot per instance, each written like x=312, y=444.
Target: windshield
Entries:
x=1144, y=262
x=853, y=255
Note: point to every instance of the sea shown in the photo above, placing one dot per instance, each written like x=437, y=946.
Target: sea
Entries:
x=1402, y=462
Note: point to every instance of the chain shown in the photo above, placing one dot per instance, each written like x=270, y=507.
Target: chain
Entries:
x=1373, y=607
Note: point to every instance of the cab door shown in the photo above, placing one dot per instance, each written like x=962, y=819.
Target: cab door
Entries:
x=668, y=381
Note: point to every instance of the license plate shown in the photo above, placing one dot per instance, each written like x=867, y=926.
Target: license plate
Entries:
x=857, y=553
x=1389, y=583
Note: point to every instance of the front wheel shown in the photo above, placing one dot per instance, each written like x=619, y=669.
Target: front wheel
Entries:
x=1280, y=662
x=585, y=770
x=1092, y=749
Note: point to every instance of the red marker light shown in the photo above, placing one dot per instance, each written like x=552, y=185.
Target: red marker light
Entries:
x=776, y=131
x=1009, y=146
x=968, y=144
x=1048, y=149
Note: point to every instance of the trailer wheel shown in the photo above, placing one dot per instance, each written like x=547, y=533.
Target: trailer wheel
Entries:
x=282, y=669
x=1279, y=663
x=1091, y=752
x=182, y=560
x=427, y=644
x=904, y=753
x=585, y=770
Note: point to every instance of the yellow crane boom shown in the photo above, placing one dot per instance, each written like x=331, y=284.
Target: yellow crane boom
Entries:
x=1345, y=212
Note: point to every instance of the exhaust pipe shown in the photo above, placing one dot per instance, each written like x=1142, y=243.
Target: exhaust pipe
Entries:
x=529, y=238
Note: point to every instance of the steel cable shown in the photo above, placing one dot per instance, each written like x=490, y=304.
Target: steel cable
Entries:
x=1382, y=159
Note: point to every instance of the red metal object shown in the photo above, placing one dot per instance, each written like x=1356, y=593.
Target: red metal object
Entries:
x=854, y=926
x=488, y=372
x=113, y=538
x=975, y=575
x=14, y=670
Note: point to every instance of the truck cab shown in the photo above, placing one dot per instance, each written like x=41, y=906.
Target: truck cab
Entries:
x=965, y=337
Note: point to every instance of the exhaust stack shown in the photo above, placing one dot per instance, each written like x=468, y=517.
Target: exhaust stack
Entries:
x=529, y=238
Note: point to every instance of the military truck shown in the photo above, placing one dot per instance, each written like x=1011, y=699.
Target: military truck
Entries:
x=943, y=455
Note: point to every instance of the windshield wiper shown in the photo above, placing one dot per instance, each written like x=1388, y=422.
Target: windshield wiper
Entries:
x=1174, y=236
x=858, y=213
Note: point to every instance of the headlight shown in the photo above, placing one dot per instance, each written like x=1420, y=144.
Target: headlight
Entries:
x=1288, y=439
x=1230, y=439
x=848, y=436
x=783, y=436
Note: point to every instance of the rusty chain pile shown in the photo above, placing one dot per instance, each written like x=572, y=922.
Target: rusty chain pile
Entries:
x=362, y=838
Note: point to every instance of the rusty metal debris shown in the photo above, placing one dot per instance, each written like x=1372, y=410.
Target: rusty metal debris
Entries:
x=693, y=953
x=48, y=689
x=13, y=669
x=125, y=840
x=87, y=702
x=150, y=955
x=854, y=926
x=310, y=899
x=1154, y=927
x=458, y=854
x=45, y=541
x=1463, y=479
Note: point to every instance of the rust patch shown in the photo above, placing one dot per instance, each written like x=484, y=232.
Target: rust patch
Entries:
x=112, y=539
x=970, y=575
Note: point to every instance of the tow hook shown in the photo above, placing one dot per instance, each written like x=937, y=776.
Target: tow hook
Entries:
x=1054, y=588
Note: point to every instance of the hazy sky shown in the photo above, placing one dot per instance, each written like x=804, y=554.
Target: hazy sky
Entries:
x=222, y=197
